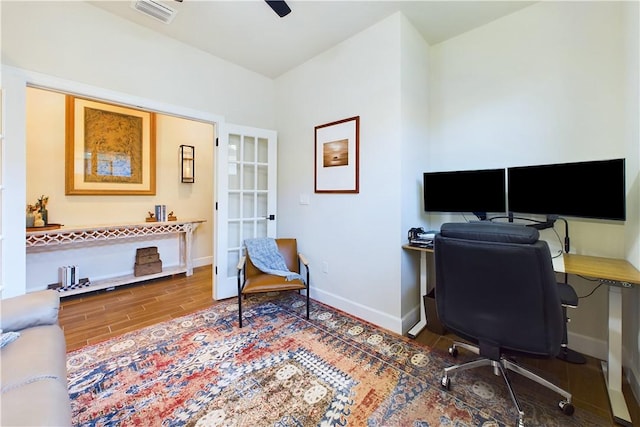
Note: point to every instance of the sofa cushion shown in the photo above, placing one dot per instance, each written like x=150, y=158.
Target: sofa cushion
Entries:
x=33, y=309
x=40, y=403
x=39, y=352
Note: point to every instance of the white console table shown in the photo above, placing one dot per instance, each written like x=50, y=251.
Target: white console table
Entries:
x=65, y=237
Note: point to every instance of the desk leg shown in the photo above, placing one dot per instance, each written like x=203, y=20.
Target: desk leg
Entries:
x=422, y=323
x=612, y=369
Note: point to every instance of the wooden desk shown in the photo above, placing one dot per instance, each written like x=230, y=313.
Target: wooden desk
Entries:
x=422, y=323
x=618, y=274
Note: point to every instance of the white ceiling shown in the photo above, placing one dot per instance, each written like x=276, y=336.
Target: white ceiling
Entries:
x=250, y=34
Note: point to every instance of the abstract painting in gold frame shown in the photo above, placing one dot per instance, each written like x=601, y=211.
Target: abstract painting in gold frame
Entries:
x=110, y=149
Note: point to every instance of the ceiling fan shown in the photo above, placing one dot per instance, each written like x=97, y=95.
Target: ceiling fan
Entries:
x=279, y=6
x=161, y=12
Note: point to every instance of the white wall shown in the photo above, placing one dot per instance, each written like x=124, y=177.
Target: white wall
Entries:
x=96, y=54
x=357, y=235
x=555, y=82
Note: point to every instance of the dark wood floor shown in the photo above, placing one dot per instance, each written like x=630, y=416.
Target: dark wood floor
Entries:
x=97, y=316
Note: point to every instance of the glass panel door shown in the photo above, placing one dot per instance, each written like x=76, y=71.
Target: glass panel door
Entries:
x=250, y=198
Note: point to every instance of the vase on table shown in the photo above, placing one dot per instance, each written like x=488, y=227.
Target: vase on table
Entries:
x=45, y=215
x=30, y=218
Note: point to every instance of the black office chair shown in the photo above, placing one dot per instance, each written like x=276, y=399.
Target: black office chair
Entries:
x=495, y=287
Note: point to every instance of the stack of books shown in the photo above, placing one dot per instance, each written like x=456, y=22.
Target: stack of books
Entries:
x=161, y=212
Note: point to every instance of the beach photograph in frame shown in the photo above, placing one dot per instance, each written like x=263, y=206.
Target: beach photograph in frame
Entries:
x=336, y=156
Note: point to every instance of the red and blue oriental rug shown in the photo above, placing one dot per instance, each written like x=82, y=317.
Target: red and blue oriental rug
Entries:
x=284, y=370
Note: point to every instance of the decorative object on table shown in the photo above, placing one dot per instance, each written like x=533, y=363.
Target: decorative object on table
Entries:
x=172, y=217
x=38, y=221
x=336, y=156
x=110, y=149
x=161, y=212
x=41, y=205
x=187, y=162
x=147, y=261
x=47, y=227
x=31, y=209
x=151, y=217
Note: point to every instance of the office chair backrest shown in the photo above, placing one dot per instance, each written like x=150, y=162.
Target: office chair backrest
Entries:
x=289, y=250
x=495, y=286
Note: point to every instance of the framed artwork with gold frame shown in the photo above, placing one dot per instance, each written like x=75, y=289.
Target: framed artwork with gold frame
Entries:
x=110, y=149
x=336, y=156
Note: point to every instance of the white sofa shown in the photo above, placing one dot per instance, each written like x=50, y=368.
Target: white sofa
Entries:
x=33, y=370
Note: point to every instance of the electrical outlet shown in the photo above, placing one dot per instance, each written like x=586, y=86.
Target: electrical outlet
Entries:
x=325, y=267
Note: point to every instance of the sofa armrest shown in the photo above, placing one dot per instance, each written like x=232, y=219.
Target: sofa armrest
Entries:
x=33, y=309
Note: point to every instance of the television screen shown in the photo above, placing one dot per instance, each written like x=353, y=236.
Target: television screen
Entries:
x=593, y=189
x=465, y=191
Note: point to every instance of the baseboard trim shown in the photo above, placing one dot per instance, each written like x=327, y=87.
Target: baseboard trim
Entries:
x=588, y=345
x=201, y=262
x=376, y=317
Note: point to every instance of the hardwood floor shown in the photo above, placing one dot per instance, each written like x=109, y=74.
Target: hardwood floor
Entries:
x=97, y=316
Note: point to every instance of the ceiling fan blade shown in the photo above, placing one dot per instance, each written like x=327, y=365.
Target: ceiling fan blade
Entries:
x=280, y=7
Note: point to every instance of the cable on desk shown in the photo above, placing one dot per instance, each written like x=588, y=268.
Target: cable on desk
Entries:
x=592, y=291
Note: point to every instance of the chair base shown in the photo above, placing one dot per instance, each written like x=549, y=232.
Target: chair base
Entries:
x=500, y=367
x=571, y=356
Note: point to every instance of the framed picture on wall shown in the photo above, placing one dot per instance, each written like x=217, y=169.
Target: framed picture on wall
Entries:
x=336, y=156
x=110, y=149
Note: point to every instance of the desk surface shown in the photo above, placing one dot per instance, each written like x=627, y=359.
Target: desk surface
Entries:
x=601, y=268
x=417, y=248
x=619, y=270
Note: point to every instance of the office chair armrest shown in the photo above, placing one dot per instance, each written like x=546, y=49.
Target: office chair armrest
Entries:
x=303, y=260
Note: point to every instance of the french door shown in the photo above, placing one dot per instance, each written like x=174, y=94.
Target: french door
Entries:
x=246, y=206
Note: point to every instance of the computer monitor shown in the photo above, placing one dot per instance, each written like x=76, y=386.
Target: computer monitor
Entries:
x=477, y=191
x=593, y=189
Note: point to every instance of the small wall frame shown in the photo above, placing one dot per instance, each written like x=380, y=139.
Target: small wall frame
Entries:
x=337, y=156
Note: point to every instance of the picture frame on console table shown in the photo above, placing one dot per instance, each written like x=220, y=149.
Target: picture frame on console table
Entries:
x=110, y=149
x=336, y=168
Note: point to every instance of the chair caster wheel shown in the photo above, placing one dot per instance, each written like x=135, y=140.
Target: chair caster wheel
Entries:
x=566, y=407
x=445, y=382
x=453, y=351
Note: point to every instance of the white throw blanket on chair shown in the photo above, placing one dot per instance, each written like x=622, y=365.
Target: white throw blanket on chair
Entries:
x=264, y=254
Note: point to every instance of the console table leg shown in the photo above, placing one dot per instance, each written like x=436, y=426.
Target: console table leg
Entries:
x=188, y=237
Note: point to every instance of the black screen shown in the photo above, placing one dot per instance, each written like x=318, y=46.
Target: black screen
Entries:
x=465, y=191
x=586, y=189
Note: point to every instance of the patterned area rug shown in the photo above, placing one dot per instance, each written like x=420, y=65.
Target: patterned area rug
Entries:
x=284, y=370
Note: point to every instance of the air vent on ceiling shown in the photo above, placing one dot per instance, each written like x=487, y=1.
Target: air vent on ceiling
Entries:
x=155, y=10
